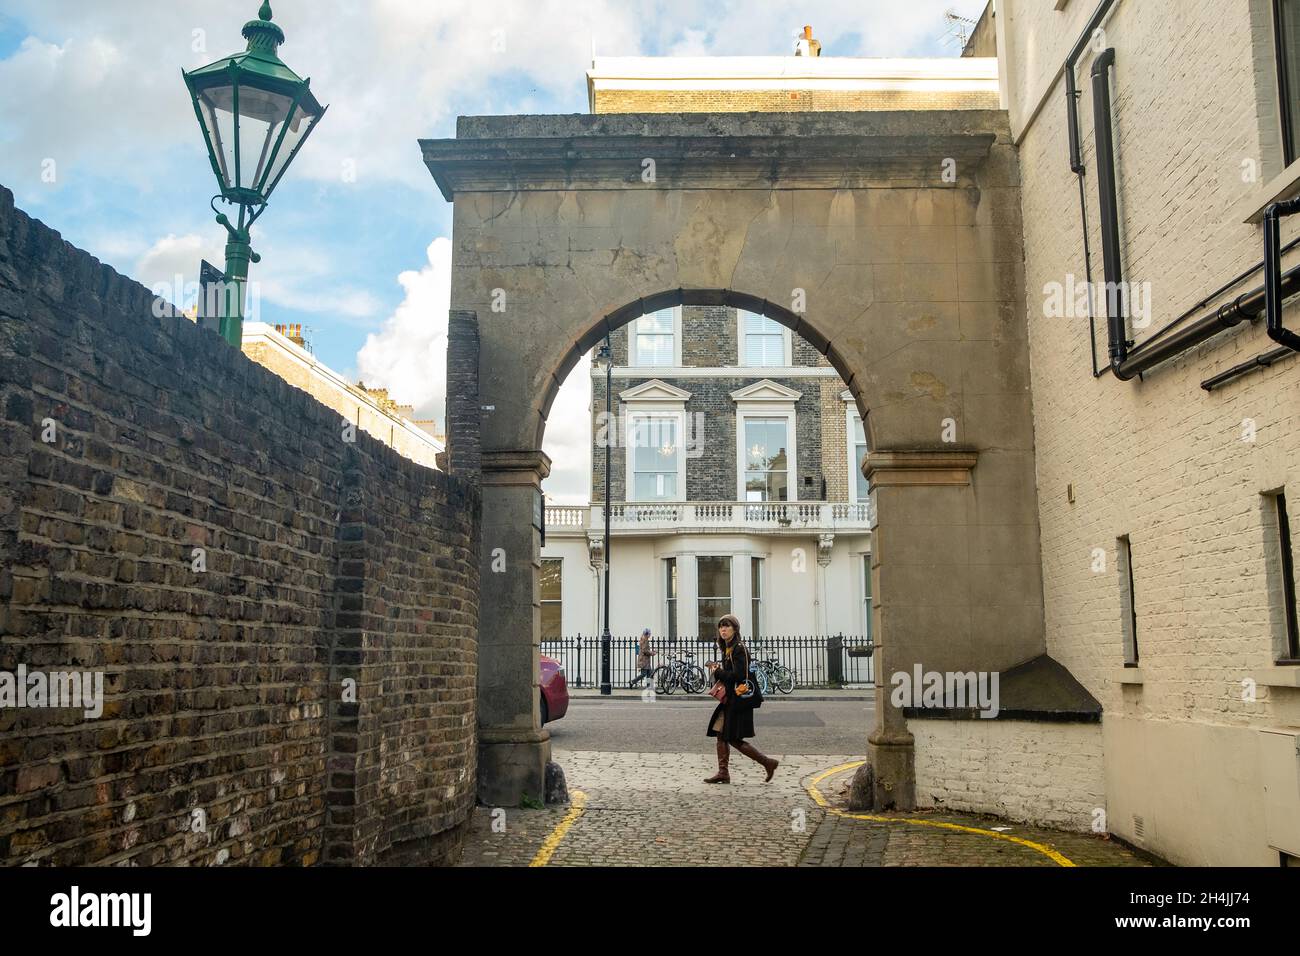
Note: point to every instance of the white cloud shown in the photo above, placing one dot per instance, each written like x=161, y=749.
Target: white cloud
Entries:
x=568, y=439
x=408, y=356
x=693, y=42
x=292, y=277
x=109, y=94
x=172, y=263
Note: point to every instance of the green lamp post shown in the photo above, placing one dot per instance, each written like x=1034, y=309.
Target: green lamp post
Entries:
x=255, y=113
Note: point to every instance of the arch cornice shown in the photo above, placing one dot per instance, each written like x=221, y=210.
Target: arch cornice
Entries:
x=834, y=150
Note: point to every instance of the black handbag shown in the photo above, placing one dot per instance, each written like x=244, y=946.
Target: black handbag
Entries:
x=750, y=690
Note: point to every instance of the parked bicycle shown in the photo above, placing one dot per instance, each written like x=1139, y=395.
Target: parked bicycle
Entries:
x=680, y=672
x=772, y=673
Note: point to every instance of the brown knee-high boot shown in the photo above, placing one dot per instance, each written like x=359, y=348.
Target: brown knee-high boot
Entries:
x=753, y=753
x=723, y=753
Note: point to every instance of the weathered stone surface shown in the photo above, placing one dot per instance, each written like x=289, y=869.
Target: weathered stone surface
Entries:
x=841, y=226
x=326, y=561
x=862, y=789
x=556, y=790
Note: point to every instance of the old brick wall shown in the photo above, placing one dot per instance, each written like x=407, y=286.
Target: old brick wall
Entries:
x=402, y=761
x=464, y=456
x=709, y=336
x=835, y=440
x=774, y=101
x=223, y=687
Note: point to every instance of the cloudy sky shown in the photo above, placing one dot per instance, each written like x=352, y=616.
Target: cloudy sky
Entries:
x=99, y=140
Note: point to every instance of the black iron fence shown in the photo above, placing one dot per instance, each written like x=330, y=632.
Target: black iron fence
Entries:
x=837, y=660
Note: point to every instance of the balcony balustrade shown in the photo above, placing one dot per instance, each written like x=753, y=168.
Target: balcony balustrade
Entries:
x=773, y=517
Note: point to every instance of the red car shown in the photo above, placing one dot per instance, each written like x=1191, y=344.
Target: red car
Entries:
x=555, y=692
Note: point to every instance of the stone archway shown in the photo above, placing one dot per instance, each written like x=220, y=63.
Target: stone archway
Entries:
x=843, y=226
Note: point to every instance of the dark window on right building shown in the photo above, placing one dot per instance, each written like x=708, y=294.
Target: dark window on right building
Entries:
x=1286, y=33
x=1128, y=602
x=1290, y=649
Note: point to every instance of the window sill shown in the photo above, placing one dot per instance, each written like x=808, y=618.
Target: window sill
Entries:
x=1129, y=675
x=1281, y=675
x=1250, y=208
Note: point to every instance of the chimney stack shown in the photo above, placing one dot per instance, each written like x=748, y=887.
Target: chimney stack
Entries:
x=293, y=333
x=806, y=45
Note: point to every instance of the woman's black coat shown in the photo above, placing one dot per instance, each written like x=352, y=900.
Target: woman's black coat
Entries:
x=737, y=714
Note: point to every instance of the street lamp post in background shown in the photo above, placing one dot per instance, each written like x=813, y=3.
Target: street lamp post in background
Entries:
x=255, y=114
x=605, y=361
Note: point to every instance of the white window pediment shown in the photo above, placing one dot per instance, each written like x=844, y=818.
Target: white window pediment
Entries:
x=655, y=391
x=766, y=391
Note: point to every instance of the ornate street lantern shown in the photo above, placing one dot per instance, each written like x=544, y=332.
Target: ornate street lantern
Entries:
x=255, y=114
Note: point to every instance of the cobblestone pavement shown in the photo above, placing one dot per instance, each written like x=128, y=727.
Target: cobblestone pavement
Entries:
x=654, y=809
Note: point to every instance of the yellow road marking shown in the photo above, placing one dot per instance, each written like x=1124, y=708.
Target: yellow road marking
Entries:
x=552, y=842
x=822, y=802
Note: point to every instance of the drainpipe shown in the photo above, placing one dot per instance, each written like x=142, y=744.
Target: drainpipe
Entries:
x=1277, y=286
x=1076, y=158
x=1247, y=306
x=1072, y=91
x=1273, y=278
x=1116, y=298
x=1267, y=299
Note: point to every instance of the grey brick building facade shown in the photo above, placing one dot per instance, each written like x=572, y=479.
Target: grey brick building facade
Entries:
x=710, y=343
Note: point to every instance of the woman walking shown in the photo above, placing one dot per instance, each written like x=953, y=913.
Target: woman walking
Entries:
x=643, y=659
x=733, y=718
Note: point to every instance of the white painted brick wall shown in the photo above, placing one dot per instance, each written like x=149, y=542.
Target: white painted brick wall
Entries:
x=1160, y=460
x=1039, y=773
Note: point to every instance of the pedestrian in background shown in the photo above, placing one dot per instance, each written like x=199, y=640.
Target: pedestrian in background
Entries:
x=643, y=659
x=733, y=718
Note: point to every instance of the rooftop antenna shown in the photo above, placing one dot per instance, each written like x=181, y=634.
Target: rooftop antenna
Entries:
x=958, y=26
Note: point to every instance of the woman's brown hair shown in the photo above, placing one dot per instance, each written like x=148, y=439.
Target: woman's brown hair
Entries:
x=735, y=626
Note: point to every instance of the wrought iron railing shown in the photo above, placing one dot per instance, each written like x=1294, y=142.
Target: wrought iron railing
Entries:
x=834, y=661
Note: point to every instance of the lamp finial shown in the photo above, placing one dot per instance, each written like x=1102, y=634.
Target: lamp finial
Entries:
x=262, y=35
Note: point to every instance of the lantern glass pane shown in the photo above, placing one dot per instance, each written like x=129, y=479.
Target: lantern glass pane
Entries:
x=261, y=116
x=216, y=108
x=299, y=124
